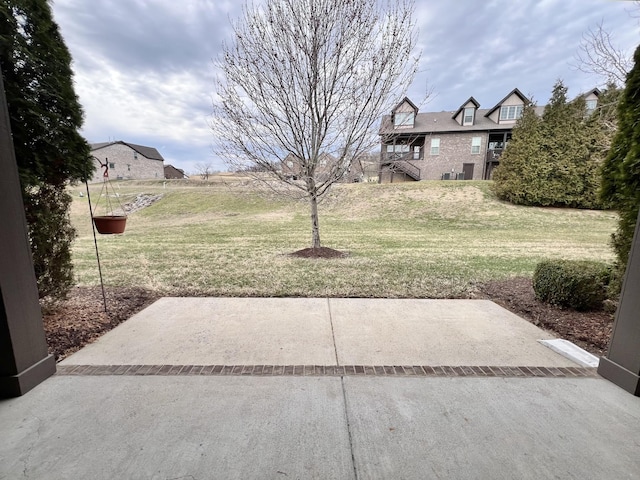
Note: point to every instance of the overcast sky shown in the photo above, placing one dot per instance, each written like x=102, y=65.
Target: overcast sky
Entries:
x=144, y=68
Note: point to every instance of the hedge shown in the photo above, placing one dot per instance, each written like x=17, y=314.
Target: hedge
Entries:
x=580, y=285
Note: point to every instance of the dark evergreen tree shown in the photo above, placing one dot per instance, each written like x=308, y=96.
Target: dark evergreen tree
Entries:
x=572, y=177
x=553, y=160
x=45, y=118
x=621, y=170
x=519, y=163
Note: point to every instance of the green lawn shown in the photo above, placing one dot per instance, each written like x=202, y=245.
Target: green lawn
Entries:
x=426, y=239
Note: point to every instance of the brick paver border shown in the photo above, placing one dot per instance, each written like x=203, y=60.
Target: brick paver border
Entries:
x=327, y=370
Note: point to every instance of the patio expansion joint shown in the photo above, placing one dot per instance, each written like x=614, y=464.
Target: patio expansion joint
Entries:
x=347, y=417
x=333, y=332
x=328, y=371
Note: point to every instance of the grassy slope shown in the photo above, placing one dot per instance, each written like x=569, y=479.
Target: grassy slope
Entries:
x=427, y=239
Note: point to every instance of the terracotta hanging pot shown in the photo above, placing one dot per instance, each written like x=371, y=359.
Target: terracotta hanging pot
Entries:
x=109, y=224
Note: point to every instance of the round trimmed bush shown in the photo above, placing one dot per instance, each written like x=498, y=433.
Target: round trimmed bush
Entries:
x=580, y=285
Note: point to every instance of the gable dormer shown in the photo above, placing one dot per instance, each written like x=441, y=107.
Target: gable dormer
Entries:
x=404, y=114
x=591, y=100
x=466, y=114
x=509, y=109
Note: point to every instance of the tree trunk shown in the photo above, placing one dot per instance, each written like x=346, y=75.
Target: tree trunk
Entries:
x=315, y=225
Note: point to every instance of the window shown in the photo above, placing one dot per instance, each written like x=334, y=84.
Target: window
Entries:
x=397, y=148
x=511, y=112
x=468, y=116
x=416, y=152
x=591, y=106
x=112, y=165
x=435, y=146
x=403, y=119
x=128, y=167
x=475, y=144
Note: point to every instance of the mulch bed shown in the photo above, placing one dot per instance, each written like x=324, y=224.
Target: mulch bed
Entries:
x=322, y=252
x=81, y=319
x=588, y=330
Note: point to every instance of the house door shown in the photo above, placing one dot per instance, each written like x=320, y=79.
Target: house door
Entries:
x=467, y=169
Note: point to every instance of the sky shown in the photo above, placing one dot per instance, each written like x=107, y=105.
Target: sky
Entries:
x=144, y=69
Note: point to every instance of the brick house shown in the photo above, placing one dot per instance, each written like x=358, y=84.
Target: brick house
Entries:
x=127, y=161
x=462, y=145
x=171, y=172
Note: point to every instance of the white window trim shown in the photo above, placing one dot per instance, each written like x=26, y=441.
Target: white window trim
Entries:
x=476, y=143
x=511, y=112
x=464, y=116
x=398, y=148
x=435, y=146
x=403, y=119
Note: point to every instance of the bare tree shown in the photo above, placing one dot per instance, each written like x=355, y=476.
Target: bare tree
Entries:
x=204, y=169
x=597, y=54
x=309, y=78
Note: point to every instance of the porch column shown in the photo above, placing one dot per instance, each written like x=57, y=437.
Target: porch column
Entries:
x=24, y=361
x=622, y=363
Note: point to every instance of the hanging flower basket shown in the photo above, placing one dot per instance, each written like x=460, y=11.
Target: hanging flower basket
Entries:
x=112, y=222
x=108, y=224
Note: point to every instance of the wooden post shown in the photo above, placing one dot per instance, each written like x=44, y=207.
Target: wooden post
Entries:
x=24, y=359
x=622, y=363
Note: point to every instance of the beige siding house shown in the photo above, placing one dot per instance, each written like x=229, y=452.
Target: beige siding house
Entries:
x=461, y=145
x=127, y=161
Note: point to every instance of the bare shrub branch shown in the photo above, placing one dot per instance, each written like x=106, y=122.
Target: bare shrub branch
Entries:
x=204, y=169
x=598, y=55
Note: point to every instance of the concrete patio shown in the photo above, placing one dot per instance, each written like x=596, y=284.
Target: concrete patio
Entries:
x=198, y=388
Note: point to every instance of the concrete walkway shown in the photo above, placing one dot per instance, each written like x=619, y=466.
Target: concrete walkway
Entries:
x=320, y=331
x=199, y=388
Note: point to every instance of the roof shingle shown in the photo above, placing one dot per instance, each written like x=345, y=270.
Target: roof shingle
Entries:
x=148, y=152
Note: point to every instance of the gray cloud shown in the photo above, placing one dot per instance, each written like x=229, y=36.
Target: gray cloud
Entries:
x=144, y=70
x=141, y=36
x=488, y=50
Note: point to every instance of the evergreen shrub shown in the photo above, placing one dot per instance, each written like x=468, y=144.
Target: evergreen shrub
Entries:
x=580, y=285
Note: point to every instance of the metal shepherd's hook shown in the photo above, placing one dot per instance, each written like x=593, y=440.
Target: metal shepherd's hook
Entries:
x=104, y=165
x=95, y=240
